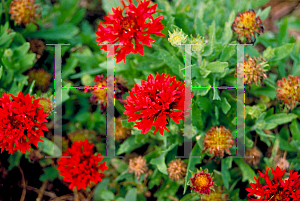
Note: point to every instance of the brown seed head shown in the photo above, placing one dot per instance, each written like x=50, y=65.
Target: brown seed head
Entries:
x=255, y=153
x=177, y=169
x=138, y=166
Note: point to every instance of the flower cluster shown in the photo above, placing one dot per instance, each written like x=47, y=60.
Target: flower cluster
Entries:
x=155, y=101
x=253, y=70
x=24, y=11
x=288, y=90
x=83, y=167
x=99, y=94
x=202, y=182
x=22, y=122
x=245, y=25
x=131, y=31
x=275, y=189
x=217, y=140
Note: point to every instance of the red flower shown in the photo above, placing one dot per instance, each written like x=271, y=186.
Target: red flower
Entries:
x=276, y=189
x=202, y=182
x=155, y=101
x=21, y=122
x=131, y=27
x=83, y=167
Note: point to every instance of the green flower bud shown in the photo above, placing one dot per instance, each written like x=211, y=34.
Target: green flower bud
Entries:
x=8, y=53
x=86, y=80
x=177, y=37
x=269, y=53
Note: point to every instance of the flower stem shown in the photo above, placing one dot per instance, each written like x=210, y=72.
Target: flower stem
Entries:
x=76, y=194
x=6, y=11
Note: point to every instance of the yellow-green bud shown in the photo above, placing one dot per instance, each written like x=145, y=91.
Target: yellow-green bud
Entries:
x=8, y=53
x=86, y=80
x=198, y=43
x=177, y=37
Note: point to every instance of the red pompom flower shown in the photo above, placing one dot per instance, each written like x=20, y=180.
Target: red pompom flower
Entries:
x=276, y=188
x=202, y=182
x=155, y=101
x=22, y=122
x=83, y=167
x=131, y=31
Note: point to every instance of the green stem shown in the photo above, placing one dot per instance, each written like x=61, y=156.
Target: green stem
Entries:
x=6, y=11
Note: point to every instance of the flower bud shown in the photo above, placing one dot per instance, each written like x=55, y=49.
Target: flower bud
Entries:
x=198, y=43
x=177, y=37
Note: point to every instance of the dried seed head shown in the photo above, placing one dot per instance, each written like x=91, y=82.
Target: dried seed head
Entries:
x=255, y=153
x=253, y=70
x=121, y=133
x=37, y=46
x=47, y=104
x=177, y=169
x=245, y=25
x=81, y=135
x=42, y=78
x=288, y=91
x=216, y=195
x=282, y=163
x=217, y=140
x=138, y=166
x=24, y=11
x=177, y=37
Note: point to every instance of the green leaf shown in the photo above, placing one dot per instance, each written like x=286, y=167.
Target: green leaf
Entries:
x=102, y=185
x=283, y=51
x=247, y=172
x=14, y=160
x=149, y=64
x=217, y=67
x=64, y=31
x=227, y=53
x=49, y=147
x=265, y=13
x=225, y=105
x=26, y=62
x=225, y=165
x=131, y=195
x=227, y=33
x=21, y=51
x=106, y=194
x=128, y=145
x=282, y=32
x=295, y=130
x=126, y=124
x=1, y=71
x=69, y=68
x=109, y=4
x=50, y=173
x=31, y=87
x=160, y=163
x=208, y=49
x=281, y=118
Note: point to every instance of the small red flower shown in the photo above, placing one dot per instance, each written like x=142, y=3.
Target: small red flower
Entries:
x=202, y=182
x=155, y=101
x=288, y=91
x=276, y=189
x=131, y=31
x=22, y=122
x=83, y=167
